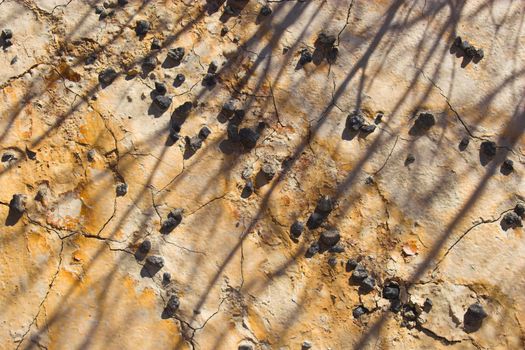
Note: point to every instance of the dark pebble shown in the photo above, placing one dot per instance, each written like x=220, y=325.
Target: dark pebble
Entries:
x=338, y=248
x=359, y=311
x=248, y=138
x=305, y=57
x=391, y=291
x=123, y=2
x=212, y=68
x=194, y=143
x=296, y=229
x=155, y=261
x=511, y=220
x=367, y=284
x=169, y=225
x=488, y=148
x=325, y=205
x=519, y=209
x=160, y=88
x=268, y=171
x=425, y=121
x=149, y=63
x=176, y=214
x=332, y=261
x=351, y=264
x=224, y=31
x=142, y=27
x=145, y=247
x=122, y=189
x=155, y=44
x=368, y=128
x=6, y=34
x=209, y=80
x=18, y=203
x=359, y=273
x=6, y=157
x=315, y=220
x=464, y=143
x=427, y=305
x=507, y=166
x=312, y=250
x=474, y=315
x=233, y=132
x=330, y=237
x=107, y=76
x=173, y=305
x=166, y=277
x=91, y=155
x=204, y=133
x=355, y=121
x=176, y=54
x=265, y=11
x=163, y=102
x=179, y=79
x=245, y=347
x=410, y=159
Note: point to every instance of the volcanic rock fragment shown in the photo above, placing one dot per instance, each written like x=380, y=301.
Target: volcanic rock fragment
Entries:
x=330, y=238
x=145, y=247
x=149, y=63
x=367, y=284
x=204, y=133
x=305, y=57
x=359, y=274
x=163, y=102
x=173, y=220
x=18, y=203
x=172, y=306
x=474, y=317
x=122, y=189
x=156, y=44
x=510, y=220
x=464, y=143
x=179, y=80
x=107, y=76
x=519, y=209
x=359, y=311
x=507, y=167
x=265, y=11
x=351, y=264
x=155, y=261
x=391, y=291
x=296, y=229
x=176, y=54
x=142, y=27
x=355, y=121
x=248, y=138
x=160, y=88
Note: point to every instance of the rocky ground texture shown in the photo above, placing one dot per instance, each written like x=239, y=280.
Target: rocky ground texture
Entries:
x=234, y=174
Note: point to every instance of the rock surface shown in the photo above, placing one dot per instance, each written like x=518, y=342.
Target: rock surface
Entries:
x=73, y=271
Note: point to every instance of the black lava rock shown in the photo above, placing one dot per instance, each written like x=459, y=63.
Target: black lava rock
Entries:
x=6, y=157
x=179, y=79
x=142, y=27
x=229, y=108
x=122, y=189
x=145, y=247
x=325, y=205
x=6, y=34
x=315, y=220
x=160, y=88
x=359, y=273
x=296, y=229
x=519, y=209
x=306, y=57
x=312, y=250
x=166, y=277
x=367, y=284
x=176, y=214
x=155, y=261
x=474, y=316
x=507, y=166
x=425, y=121
x=176, y=54
x=248, y=138
x=209, y=80
x=245, y=347
x=107, y=76
x=332, y=261
x=248, y=189
x=163, y=102
x=326, y=41
x=488, y=148
x=204, y=133
x=184, y=109
x=391, y=291
x=268, y=171
x=464, y=143
x=194, y=143
x=233, y=132
x=212, y=67
x=329, y=238
x=368, y=128
x=149, y=63
x=123, y=2
x=355, y=121
x=172, y=306
x=479, y=54
x=155, y=44
x=510, y=220
x=351, y=264
x=18, y=203
x=359, y=311
x=169, y=225
x=265, y=11
x=427, y=305
x=410, y=159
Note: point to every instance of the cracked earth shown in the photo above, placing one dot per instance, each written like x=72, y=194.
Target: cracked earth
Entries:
x=425, y=210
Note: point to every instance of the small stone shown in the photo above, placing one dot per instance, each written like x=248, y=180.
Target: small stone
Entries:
x=519, y=209
x=156, y=44
x=149, y=63
x=14, y=60
x=368, y=284
x=369, y=180
x=457, y=42
x=173, y=305
x=470, y=51
x=245, y=347
x=184, y=109
x=265, y=11
x=315, y=220
x=359, y=311
x=511, y=220
x=464, y=142
x=123, y=2
x=166, y=277
x=359, y=273
x=488, y=148
x=18, y=203
x=248, y=189
x=474, y=315
x=176, y=214
x=224, y=31
x=160, y=88
x=122, y=189
x=479, y=54
x=30, y=154
x=391, y=291
x=427, y=305
x=209, y=80
x=91, y=155
x=194, y=143
x=99, y=10
x=204, y=133
x=507, y=166
x=305, y=57
x=296, y=229
x=379, y=118
x=142, y=27
x=169, y=225
x=325, y=205
x=355, y=121
x=145, y=247
x=312, y=249
x=351, y=264
x=332, y=261
x=306, y=345
x=268, y=171
x=338, y=248
x=179, y=79
x=155, y=261
x=325, y=41
x=212, y=68
x=6, y=157
x=410, y=159
x=6, y=34
x=107, y=76
x=368, y=128
x=425, y=121
x=229, y=107
x=233, y=132
x=163, y=102
x=176, y=54
x=330, y=237
x=248, y=138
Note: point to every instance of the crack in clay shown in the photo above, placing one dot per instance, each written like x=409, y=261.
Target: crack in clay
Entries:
x=346, y=23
